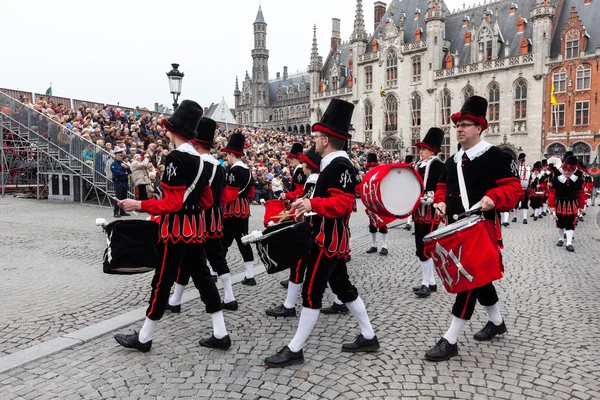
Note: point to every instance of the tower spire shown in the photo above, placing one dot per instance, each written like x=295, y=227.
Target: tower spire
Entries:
x=314, y=54
x=237, y=85
x=259, y=16
x=359, y=34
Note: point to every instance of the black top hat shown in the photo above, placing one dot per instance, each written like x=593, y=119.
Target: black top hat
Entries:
x=571, y=162
x=296, y=150
x=235, y=145
x=521, y=156
x=568, y=154
x=312, y=159
x=336, y=119
x=184, y=120
x=371, y=160
x=475, y=108
x=409, y=159
x=205, y=133
x=537, y=165
x=433, y=140
x=544, y=162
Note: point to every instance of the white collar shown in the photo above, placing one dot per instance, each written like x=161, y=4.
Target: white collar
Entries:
x=563, y=178
x=239, y=164
x=187, y=148
x=208, y=158
x=474, y=152
x=312, y=178
x=297, y=166
x=425, y=162
x=331, y=156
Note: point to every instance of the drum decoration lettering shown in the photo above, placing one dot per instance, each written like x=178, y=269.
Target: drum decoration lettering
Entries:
x=131, y=247
x=465, y=254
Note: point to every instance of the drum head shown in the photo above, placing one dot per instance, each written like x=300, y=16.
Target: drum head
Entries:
x=401, y=190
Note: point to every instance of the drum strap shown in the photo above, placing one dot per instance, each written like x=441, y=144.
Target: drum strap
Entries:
x=193, y=185
x=212, y=176
x=464, y=196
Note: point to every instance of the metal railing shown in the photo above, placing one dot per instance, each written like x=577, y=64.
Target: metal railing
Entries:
x=77, y=155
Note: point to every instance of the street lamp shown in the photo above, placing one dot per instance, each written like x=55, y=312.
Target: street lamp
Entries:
x=351, y=131
x=175, y=77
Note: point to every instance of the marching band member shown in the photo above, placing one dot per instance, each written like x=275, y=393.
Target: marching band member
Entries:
x=310, y=162
x=524, y=175
x=536, y=190
x=409, y=159
x=181, y=232
x=377, y=222
x=566, y=201
x=545, y=182
x=478, y=172
x=298, y=176
x=235, y=200
x=431, y=168
x=333, y=201
x=213, y=220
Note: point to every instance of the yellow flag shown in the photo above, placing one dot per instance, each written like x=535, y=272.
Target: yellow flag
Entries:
x=552, y=97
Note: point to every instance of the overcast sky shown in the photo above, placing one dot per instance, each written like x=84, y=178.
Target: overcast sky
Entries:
x=119, y=51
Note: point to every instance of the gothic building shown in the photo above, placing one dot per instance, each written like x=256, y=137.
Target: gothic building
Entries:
x=422, y=61
x=281, y=103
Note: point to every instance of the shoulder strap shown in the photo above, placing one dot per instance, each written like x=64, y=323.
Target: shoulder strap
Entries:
x=247, y=184
x=214, y=172
x=193, y=185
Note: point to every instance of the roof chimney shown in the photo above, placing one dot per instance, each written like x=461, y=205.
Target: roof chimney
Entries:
x=285, y=74
x=336, y=38
x=379, y=8
x=278, y=75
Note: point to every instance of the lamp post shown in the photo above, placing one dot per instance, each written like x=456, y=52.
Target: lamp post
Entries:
x=175, y=78
x=351, y=131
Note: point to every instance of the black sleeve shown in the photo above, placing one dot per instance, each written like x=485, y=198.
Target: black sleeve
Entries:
x=436, y=172
x=343, y=178
x=500, y=164
x=234, y=178
x=174, y=170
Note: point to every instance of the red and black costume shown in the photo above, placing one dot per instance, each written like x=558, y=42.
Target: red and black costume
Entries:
x=487, y=172
x=298, y=182
x=567, y=197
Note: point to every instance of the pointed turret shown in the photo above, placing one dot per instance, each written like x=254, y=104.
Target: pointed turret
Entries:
x=359, y=34
x=236, y=93
x=259, y=16
x=315, y=61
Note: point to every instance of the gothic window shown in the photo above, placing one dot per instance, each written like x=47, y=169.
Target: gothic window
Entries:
x=583, y=77
x=415, y=138
x=559, y=78
x=319, y=113
x=468, y=92
x=304, y=113
x=280, y=94
x=391, y=69
x=494, y=103
x=391, y=117
x=368, y=115
x=247, y=98
x=582, y=150
x=368, y=78
x=446, y=107
x=520, y=100
x=335, y=81
x=303, y=90
x=558, y=115
x=445, y=145
x=556, y=149
x=572, y=46
x=582, y=112
x=415, y=109
x=416, y=69
x=485, y=44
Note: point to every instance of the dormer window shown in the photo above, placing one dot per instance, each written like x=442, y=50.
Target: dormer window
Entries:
x=572, y=46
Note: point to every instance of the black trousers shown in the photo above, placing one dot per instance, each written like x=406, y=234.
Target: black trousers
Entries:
x=566, y=222
x=383, y=230
x=191, y=260
x=320, y=270
x=215, y=254
x=536, y=202
x=141, y=193
x=525, y=202
x=464, y=304
x=421, y=230
x=297, y=272
x=234, y=229
x=121, y=194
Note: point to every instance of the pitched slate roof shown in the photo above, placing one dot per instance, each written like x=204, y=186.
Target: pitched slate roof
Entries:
x=587, y=13
x=297, y=79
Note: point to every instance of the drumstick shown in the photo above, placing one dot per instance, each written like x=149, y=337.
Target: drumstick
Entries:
x=117, y=200
x=471, y=210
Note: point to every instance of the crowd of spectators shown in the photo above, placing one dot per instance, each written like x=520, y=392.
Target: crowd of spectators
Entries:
x=146, y=145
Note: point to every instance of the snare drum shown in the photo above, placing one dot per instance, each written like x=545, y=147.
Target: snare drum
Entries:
x=132, y=247
x=281, y=246
x=273, y=209
x=465, y=254
x=391, y=190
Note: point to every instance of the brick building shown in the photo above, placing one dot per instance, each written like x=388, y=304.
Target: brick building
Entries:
x=574, y=70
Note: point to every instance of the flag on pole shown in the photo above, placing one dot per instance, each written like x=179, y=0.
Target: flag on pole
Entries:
x=382, y=92
x=553, y=97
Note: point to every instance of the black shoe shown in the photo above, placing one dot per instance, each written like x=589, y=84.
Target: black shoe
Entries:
x=407, y=227
x=232, y=305
x=284, y=357
x=335, y=309
x=432, y=288
x=372, y=249
x=514, y=219
x=348, y=259
x=361, y=344
x=224, y=343
x=214, y=278
x=544, y=213
x=535, y=218
x=540, y=216
x=442, y=350
x=489, y=331
x=532, y=215
x=174, y=309
x=505, y=224
x=570, y=248
x=281, y=311
x=524, y=222
x=423, y=291
x=285, y=283
x=132, y=341
x=580, y=218
x=249, y=281
x=383, y=252
x=124, y=214
x=116, y=215
x=560, y=243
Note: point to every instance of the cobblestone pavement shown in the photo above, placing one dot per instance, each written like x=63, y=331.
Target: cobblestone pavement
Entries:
x=51, y=283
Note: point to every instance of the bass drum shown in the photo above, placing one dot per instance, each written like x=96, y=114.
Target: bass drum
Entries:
x=132, y=247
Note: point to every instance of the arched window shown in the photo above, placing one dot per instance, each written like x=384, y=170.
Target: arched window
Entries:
x=468, y=92
x=280, y=94
x=416, y=69
x=389, y=144
x=415, y=109
x=572, y=46
x=446, y=106
x=391, y=113
x=584, y=73
x=319, y=114
x=494, y=103
x=391, y=69
x=335, y=79
x=556, y=149
x=368, y=78
x=520, y=100
x=485, y=42
x=582, y=151
x=445, y=144
x=559, y=78
x=368, y=115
